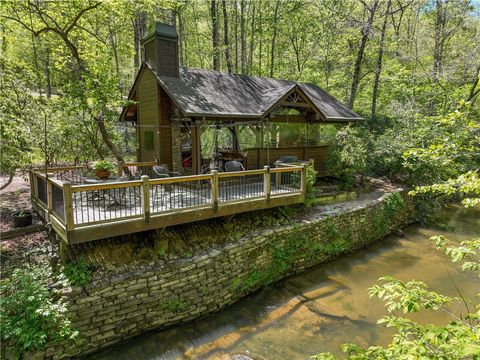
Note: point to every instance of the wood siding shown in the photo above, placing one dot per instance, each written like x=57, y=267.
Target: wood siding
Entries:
x=165, y=131
x=257, y=157
x=148, y=119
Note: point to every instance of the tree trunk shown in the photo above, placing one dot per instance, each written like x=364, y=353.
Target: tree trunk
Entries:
x=260, y=43
x=473, y=90
x=252, y=39
x=236, y=35
x=9, y=181
x=215, y=35
x=439, y=38
x=361, y=51
x=139, y=28
x=182, y=44
x=243, y=39
x=48, y=77
x=274, y=38
x=225, y=37
x=378, y=69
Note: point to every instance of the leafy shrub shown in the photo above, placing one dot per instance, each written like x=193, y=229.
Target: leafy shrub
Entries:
x=310, y=180
x=78, y=273
x=29, y=314
x=347, y=156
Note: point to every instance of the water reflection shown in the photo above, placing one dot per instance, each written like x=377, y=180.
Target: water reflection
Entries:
x=321, y=309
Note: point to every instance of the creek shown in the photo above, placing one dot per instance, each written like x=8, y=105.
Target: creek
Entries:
x=322, y=308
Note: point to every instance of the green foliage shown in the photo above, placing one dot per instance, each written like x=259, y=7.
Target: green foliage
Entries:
x=287, y=250
x=31, y=315
x=17, y=107
x=176, y=305
x=384, y=216
x=347, y=157
x=103, y=165
x=78, y=273
x=459, y=338
x=310, y=180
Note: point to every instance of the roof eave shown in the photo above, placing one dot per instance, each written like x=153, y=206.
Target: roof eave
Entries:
x=343, y=119
x=233, y=116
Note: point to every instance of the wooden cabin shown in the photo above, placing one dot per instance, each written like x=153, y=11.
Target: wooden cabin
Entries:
x=192, y=119
x=194, y=122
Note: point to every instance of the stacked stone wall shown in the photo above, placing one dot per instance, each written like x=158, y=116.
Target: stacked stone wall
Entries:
x=126, y=305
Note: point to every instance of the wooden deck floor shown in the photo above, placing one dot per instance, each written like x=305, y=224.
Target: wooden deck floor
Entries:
x=104, y=205
x=86, y=212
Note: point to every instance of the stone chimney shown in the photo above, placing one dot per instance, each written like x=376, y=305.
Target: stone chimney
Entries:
x=161, y=49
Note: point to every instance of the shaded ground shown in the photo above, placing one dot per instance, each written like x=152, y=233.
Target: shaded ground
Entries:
x=28, y=248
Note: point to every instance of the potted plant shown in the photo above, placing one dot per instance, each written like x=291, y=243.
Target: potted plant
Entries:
x=22, y=218
x=103, y=168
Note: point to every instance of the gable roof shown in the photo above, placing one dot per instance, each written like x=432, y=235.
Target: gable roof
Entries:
x=215, y=94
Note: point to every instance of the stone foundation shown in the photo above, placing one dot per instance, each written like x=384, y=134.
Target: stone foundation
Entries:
x=126, y=305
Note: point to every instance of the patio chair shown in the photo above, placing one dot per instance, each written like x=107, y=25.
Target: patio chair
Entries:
x=231, y=166
x=161, y=172
x=284, y=178
x=234, y=165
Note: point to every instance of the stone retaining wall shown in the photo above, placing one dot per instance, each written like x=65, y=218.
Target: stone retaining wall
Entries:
x=118, y=308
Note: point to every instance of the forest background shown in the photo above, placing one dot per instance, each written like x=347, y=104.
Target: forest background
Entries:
x=409, y=67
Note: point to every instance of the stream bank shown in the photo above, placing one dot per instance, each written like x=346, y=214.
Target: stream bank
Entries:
x=118, y=307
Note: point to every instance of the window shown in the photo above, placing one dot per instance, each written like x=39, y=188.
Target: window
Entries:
x=148, y=140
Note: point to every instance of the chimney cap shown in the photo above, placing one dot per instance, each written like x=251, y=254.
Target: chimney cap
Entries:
x=159, y=29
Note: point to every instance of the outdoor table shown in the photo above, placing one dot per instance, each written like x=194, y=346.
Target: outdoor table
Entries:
x=103, y=194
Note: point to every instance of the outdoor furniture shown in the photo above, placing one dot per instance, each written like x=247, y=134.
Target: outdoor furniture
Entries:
x=161, y=172
x=285, y=160
x=99, y=195
x=234, y=165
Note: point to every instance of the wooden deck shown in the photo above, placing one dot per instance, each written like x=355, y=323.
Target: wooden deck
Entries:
x=86, y=212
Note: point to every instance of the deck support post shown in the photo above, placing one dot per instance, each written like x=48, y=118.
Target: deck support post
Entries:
x=303, y=177
x=62, y=251
x=214, y=184
x=146, y=198
x=266, y=183
x=49, y=199
x=33, y=190
x=68, y=206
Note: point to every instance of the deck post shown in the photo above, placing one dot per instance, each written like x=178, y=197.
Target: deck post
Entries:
x=49, y=199
x=68, y=206
x=146, y=198
x=32, y=188
x=214, y=184
x=266, y=183
x=303, y=177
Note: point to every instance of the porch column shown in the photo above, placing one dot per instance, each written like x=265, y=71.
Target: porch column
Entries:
x=196, y=148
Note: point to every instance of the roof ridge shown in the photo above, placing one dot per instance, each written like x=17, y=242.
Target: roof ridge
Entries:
x=239, y=75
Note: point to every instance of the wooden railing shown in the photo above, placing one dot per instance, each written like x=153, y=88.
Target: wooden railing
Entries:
x=83, y=212
x=140, y=168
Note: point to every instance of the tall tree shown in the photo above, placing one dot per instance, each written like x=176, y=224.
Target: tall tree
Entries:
x=365, y=33
x=215, y=35
x=378, y=69
x=139, y=28
x=226, y=43
x=243, y=37
x=274, y=38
